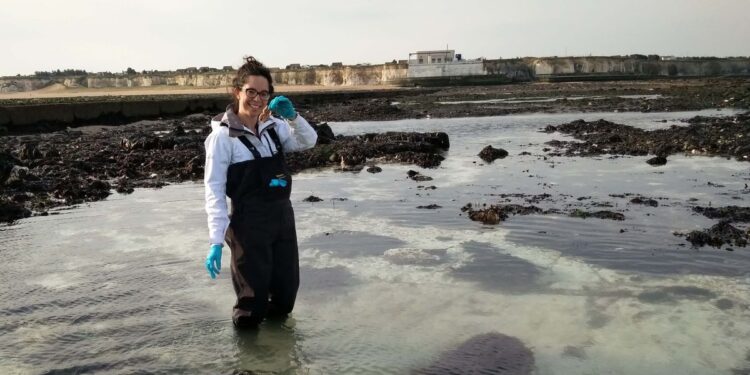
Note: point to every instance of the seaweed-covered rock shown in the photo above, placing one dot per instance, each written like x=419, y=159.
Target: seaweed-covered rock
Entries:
x=497, y=213
x=722, y=136
x=28, y=151
x=7, y=162
x=657, y=161
x=70, y=166
x=609, y=215
x=141, y=142
x=10, y=211
x=645, y=201
x=489, y=154
x=729, y=213
x=325, y=133
x=17, y=176
x=421, y=149
x=718, y=235
x=416, y=176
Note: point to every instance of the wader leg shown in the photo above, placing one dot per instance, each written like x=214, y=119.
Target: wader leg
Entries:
x=285, y=268
x=249, y=238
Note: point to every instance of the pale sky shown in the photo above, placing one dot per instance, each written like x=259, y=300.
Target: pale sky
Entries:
x=108, y=35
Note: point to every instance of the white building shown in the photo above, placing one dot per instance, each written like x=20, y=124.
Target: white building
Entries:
x=442, y=63
x=432, y=57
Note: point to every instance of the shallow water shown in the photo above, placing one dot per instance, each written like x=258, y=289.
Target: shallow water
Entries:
x=118, y=286
x=544, y=99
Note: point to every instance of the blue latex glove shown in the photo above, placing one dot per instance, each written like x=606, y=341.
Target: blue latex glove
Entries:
x=213, y=260
x=277, y=182
x=283, y=107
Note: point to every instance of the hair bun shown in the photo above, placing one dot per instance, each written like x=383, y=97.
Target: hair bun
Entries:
x=251, y=60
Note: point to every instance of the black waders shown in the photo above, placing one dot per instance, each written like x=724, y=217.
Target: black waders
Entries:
x=262, y=237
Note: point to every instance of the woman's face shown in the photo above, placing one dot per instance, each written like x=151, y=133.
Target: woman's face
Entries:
x=253, y=95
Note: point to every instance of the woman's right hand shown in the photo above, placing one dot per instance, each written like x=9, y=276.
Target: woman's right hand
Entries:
x=283, y=107
x=264, y=115
x=213, y=260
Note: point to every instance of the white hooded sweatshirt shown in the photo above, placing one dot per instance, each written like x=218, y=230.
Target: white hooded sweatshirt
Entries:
x=222, y=150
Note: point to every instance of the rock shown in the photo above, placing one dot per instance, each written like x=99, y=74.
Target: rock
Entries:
x=657, y=161
x=312, y=199
x=28, y=151
x=724, y=304
x=720, y=136
x=52, y=152
x=17, y=176
x=74, y=191
x=729, y=213
x=490, y=353
x=494, y=214
x=489, y=154
x=718, y=235
x=352, y=162
x=421, y=159
x=430, y=207
x=194, y=167
x=742, y=152
x=7, y=162
x=71, y=167
x=645, y=201
x=12, y=211
x=551, y=128
x=374, y=169
x=140, y=142
x=597, y=214
x=416, y=176
x=124, y=188
x=325, y=133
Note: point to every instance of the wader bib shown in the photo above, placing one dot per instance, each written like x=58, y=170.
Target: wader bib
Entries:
x=262, y=236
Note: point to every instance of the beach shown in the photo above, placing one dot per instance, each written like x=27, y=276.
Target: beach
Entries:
x=564, y=246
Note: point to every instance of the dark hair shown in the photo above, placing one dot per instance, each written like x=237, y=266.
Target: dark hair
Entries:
x=251, y=67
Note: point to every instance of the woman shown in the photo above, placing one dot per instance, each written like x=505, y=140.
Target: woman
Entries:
x=245, y=161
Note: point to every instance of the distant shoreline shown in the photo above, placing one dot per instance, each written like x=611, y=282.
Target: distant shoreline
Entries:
x=339, y=78
x=375, y=103
x=59, y=91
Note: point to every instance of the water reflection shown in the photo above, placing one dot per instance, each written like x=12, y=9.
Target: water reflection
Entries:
x=270, y=349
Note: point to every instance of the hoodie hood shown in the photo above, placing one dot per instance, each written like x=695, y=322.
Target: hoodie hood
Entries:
x=235, y=125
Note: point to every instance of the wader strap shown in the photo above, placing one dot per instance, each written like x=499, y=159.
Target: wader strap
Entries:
x=275, y=138
x=249, y=146
x=245, y=142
